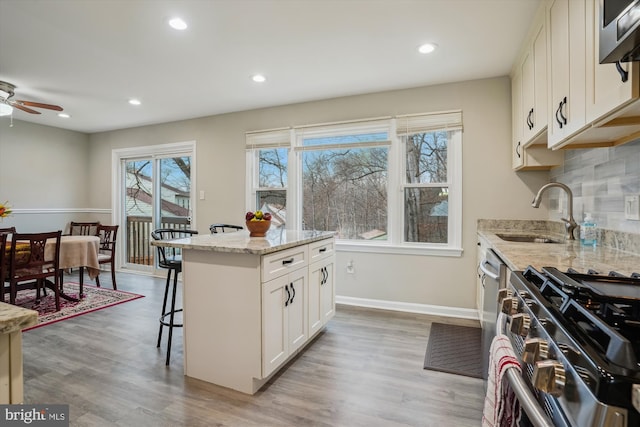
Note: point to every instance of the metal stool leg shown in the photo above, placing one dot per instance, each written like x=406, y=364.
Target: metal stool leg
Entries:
x=164, y=305
x=173, y=312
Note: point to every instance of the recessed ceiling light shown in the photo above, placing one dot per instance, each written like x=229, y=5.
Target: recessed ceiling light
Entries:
x=427, y=48
x=177, y=24
x=64, y=115
x=135, y=102
x=259, y=78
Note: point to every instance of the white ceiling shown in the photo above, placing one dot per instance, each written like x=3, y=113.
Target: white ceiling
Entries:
x=91, y=56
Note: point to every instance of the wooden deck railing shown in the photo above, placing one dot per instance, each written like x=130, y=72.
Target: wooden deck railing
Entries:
x=139, y=229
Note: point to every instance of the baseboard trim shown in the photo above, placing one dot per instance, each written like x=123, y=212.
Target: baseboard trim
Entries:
x=435, y=310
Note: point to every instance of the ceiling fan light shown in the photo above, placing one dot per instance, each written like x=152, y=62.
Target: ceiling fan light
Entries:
x=5, y=110
x=134, y=101
x=64, y=115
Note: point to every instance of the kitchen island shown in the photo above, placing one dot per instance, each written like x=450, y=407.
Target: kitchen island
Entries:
x=13, y=320
x=252, y=303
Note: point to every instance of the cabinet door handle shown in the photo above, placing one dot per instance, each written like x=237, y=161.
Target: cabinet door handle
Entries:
x=287, y=261
x=531, y=118
x=286, y=288
x=323, y=276
x=293, y=290
x=557, y=112
x=562, y=105
x=518, y=150
x=624, y=75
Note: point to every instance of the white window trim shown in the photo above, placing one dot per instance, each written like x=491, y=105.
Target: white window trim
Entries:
x=395, y=196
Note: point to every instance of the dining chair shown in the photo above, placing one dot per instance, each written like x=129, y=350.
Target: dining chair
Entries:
x=29, y=267
x=8, y=230
x=3, y=266
x=170, y=259
x=223, y=228
x=83, y=228
x=107, y=251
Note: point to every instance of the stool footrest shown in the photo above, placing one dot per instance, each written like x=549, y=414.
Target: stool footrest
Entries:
x=168, y=323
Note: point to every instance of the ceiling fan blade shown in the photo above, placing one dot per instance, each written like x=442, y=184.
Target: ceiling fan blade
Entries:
x=39, y=105
x=23, y=108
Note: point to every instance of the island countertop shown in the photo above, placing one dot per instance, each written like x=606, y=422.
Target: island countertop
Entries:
x=14, y=318
x=240, y=241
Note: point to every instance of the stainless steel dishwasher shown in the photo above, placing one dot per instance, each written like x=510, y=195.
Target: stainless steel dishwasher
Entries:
x=494, y=277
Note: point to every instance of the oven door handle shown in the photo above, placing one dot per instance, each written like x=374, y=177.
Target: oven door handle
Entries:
x=484, y=262
x=527, y=400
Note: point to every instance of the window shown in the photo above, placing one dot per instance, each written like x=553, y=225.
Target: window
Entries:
x=344, y=180
x=391, y=184
x=426, y=187
x=268, y=155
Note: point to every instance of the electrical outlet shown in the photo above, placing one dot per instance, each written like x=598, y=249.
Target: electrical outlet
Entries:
x=632, y=207
x=350, y=268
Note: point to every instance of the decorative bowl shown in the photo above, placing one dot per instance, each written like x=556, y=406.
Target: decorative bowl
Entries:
x=258, y=228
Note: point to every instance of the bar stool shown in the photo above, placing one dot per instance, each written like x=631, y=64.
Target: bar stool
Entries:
x=171, y=259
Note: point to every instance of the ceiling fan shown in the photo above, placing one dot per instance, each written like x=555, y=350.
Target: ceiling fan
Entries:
x=7, y=92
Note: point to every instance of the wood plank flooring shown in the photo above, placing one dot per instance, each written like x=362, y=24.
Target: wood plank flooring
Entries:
x=365, y=369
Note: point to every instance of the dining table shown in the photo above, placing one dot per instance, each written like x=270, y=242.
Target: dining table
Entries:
x=75, y=252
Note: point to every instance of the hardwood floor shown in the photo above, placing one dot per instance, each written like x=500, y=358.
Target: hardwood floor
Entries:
x=365, y=369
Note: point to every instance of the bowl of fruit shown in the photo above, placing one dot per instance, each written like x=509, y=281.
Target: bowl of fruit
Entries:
x=258, y=223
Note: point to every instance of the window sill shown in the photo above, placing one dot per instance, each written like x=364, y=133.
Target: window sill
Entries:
x=397, y=249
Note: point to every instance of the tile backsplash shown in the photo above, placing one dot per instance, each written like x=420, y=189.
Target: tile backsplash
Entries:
x=599, y=179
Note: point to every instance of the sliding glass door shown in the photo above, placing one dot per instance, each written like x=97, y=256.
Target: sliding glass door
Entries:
x=155, y=193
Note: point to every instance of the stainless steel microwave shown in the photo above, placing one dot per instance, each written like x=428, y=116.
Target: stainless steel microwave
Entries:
x=619, y=30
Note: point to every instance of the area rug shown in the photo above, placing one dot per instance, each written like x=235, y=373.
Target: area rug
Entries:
x=455, y=350
x=94, y=299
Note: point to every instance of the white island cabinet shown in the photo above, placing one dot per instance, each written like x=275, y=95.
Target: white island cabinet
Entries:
x=251, y=303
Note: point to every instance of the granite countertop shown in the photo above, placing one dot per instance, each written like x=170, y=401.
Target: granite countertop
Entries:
x=623, y=257
x=240, y=241
x=14, y=318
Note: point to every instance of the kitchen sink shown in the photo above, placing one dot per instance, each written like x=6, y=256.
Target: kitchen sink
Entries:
x=527, y=238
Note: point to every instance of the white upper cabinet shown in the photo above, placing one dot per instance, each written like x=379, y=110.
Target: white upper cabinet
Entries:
x=612, y=92
x=534, y=85
x=529, y=103
x=600, y=109
x=567, y=89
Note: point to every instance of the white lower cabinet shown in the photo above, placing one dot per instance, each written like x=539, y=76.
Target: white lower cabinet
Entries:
x=322, y=305
x=284, y=318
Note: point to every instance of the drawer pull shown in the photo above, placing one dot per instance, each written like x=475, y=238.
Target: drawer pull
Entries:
x=287, y=261
x=322, y=250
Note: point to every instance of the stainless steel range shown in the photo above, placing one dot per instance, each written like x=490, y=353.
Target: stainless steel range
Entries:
x=578, y=337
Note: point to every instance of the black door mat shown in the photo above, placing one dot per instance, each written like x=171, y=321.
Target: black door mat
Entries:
x=454, y=349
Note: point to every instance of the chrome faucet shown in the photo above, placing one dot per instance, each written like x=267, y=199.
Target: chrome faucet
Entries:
x=569, y=224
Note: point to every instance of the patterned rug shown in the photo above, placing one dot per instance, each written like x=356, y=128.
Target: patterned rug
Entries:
x=94, y=299
x=454, y=349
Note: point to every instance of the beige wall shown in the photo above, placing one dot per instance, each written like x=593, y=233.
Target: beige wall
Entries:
x=490, y=188
x=44, y=174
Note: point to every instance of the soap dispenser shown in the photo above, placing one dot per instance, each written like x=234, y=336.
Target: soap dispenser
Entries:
x=588, y=235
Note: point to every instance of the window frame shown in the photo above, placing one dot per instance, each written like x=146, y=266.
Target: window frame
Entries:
x=396, y=184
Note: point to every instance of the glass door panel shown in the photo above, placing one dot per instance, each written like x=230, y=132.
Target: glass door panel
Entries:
x=157, y=194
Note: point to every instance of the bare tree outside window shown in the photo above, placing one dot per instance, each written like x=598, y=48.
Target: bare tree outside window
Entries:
x=272, y=182
x=345, y=190
x=426, y=206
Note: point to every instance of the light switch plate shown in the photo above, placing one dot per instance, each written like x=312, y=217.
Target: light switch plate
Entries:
x=632, y=207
